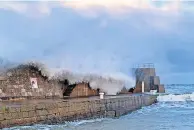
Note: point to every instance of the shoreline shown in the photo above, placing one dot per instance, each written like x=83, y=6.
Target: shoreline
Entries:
x=51, y=111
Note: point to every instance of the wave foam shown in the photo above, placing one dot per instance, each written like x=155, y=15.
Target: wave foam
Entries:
x=176, y=98
x=111, y=83
x=77, y=123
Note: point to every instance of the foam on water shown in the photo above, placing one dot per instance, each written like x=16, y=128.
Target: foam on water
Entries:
x=65, y=126
x=176, y=98
x=77, y=123
x=163, y=115
x=39, y=127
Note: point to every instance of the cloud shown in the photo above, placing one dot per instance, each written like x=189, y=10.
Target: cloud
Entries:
x=156, y=14
x=184, y=62
x=31, y=9
x=102, y=43
x=122, y=6
x=96, y=7
x=18, y=7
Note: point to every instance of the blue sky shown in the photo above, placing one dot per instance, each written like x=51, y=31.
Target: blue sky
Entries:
x=106, y=36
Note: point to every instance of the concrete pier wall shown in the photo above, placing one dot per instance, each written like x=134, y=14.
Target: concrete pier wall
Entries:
x=59, y=111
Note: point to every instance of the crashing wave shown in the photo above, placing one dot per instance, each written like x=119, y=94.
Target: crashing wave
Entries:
x=109, y=83
x=176, y=98
x=5, y=64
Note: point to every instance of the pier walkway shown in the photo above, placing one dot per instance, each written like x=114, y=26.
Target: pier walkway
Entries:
x=21, y=102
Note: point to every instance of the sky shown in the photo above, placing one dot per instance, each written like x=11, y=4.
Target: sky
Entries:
x=102, y=36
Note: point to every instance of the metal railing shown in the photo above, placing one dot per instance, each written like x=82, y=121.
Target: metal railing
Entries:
x=144, y=65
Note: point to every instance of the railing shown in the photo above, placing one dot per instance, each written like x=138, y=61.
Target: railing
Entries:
x=145, y=65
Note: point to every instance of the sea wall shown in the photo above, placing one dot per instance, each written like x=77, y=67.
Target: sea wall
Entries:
x=58, y=111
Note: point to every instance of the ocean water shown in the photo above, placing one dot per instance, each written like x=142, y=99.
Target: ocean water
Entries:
x=174, y=111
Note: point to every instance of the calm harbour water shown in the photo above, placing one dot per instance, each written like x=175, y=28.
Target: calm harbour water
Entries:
x=174, y=111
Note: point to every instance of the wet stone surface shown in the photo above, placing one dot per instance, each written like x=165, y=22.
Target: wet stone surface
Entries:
x=54, y=111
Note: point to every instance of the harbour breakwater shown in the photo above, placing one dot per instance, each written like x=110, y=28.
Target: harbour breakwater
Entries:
x=29, y=112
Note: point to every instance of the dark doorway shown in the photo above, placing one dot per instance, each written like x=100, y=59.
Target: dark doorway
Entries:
x=98, y=91
x=131, y=90
x=64, y=85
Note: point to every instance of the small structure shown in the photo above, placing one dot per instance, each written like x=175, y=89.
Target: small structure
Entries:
x=142, y=87
x=101, y=95
x=79, y=90
x=147, y=79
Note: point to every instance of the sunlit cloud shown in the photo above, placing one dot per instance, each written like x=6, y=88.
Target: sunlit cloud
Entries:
x=122, y=6
x=94, y=7
x=162, y=15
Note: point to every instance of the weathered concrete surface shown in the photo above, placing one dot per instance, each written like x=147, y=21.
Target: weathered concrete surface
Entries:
x=57, y=111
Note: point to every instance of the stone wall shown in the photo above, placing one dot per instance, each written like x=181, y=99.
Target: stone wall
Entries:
x=59, y=111
x=83, y=90
x=16, y=83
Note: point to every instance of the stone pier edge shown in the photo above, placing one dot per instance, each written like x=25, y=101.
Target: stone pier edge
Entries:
x=70, y=110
